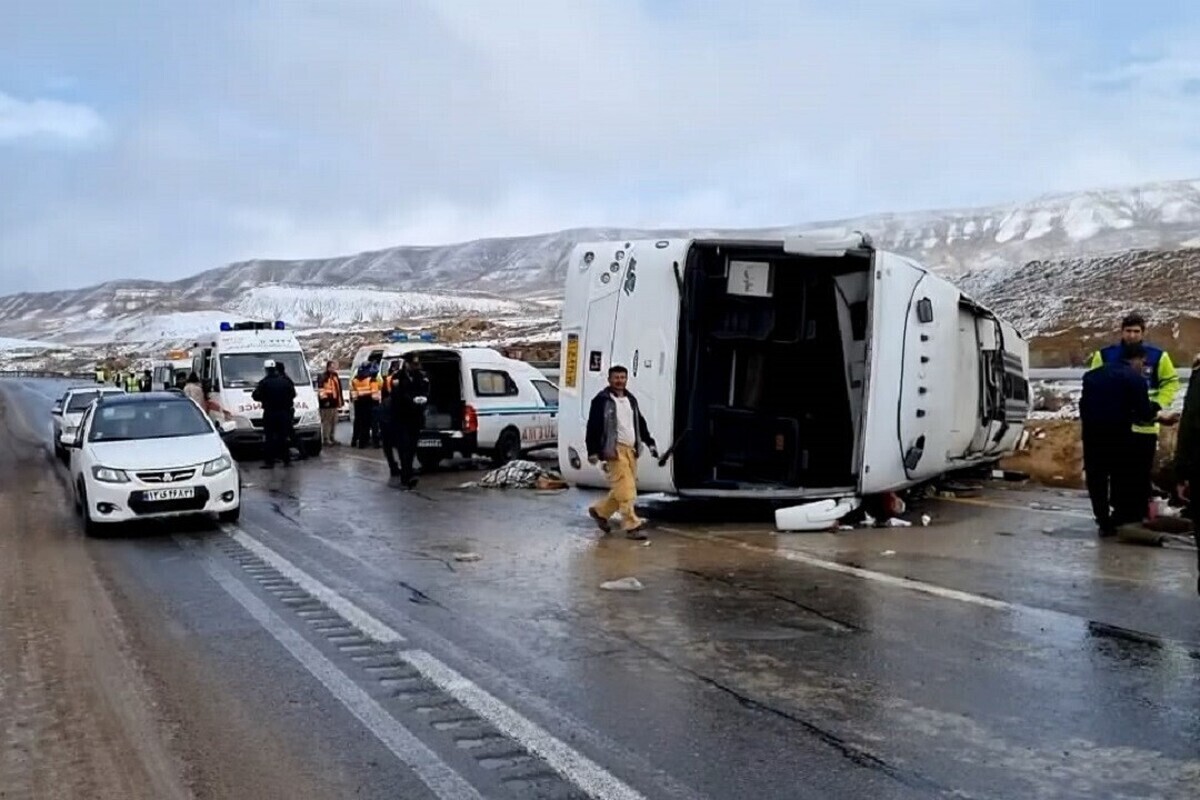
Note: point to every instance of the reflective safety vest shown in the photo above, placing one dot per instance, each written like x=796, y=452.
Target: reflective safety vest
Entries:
x=361, y=387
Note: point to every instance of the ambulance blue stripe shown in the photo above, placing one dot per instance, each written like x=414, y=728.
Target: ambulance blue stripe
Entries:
x=496, y=412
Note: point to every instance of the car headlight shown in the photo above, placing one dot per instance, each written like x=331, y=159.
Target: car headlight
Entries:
x=68, y=432
x=108, y=475
x=309, y=418
x=217, y=466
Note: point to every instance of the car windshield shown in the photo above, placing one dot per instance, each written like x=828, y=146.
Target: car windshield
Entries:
x=149, y=419
x=243, y=370
x=80, y=401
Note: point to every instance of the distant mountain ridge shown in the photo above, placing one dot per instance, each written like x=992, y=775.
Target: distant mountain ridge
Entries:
x=986, y=248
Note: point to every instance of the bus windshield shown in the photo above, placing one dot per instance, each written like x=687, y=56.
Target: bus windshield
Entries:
x=245, y=370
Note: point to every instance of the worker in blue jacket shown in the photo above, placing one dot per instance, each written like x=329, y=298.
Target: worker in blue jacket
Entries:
x=1114, y=401
x=1161, y=385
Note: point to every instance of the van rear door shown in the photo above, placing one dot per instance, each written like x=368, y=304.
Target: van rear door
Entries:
x=646, y=341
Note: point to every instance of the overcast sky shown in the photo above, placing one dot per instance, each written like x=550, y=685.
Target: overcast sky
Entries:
x=154, y=139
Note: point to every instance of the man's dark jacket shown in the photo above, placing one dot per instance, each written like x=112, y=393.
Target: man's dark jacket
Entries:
x=1114, y=400
x=405, y=388
x=277, y=394
x=602, y=426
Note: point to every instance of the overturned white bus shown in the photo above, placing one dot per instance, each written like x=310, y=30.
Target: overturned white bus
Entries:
x=814, y=367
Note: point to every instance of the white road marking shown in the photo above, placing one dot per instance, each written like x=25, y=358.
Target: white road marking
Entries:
x=443, y=781
x=1058, y=512
x=347, y=610
x=572, y=765
x=859, y=572
x=588, y=776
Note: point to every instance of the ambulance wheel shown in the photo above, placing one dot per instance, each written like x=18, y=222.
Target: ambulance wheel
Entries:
x=508, y=447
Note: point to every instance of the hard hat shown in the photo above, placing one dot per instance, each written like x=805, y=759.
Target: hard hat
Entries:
x=269, y=364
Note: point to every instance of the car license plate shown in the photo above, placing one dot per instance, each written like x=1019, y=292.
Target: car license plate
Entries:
x=155, y=495
x=427, y=443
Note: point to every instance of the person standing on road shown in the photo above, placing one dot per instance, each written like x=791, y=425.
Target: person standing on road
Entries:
x=292, y=439
x=409, y=394
x=362, y=394
x=277, y=394
x=330, y=400
x=1162, y=384
x=1114, y=401
x=194, y=389
x=616, y=431
x=387, y=423
x=1187, y=458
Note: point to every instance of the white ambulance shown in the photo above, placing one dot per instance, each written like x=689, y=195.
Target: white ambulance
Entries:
x=480, y=401
x=815, y=367
x=230, y=365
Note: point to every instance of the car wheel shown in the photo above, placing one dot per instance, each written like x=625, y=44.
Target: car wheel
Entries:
x=508, y=447
x=95, y=530
x=231, y=516
x=429, y=461
x=313, y=448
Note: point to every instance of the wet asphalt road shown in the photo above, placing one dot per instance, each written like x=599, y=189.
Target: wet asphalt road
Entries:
x=1001, y=652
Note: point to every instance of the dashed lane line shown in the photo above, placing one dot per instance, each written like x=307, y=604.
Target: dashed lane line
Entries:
x=443, y=781
x=592, y=779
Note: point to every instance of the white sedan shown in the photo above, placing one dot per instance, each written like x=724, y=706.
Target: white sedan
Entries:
x=144, y=456
x=68, y=411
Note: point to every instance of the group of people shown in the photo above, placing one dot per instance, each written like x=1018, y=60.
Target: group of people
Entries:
x=130, y=381
x=1127, y=393
x=388, y=410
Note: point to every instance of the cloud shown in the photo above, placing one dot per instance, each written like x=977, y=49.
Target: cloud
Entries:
x=31, y=119
x=289, y=128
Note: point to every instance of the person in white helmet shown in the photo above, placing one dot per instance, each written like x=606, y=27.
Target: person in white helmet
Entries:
x=277, y=394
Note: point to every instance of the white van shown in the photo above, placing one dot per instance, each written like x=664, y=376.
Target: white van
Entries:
x=480, y=402
x=230, y=365
x=810, y=368
x=171, y=372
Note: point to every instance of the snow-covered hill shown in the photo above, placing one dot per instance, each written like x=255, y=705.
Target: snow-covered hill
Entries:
x=985, y=247
x=311, y=307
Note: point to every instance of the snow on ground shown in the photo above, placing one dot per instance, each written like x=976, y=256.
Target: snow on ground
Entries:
x=25, y=344
x=309, y=307
x=177, y=327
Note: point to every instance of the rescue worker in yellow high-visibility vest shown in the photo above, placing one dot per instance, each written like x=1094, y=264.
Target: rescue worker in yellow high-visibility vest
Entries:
x=1162, y=382
x=365, y=391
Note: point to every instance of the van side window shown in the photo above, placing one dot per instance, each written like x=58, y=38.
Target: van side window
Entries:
x=493, y=383
x=548, y=391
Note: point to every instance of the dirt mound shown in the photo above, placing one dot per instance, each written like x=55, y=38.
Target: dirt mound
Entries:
x=1053, y=455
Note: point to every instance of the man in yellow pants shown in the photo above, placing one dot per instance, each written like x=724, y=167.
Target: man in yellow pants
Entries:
x=616, y=431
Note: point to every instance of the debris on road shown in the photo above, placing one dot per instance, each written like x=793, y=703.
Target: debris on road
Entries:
x=822, y=515
x=467, y=558
x=519, y=475
x=888, y=553
x=925, y=520
x=623, y=585
x=1140, y=534
x=896, y=522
